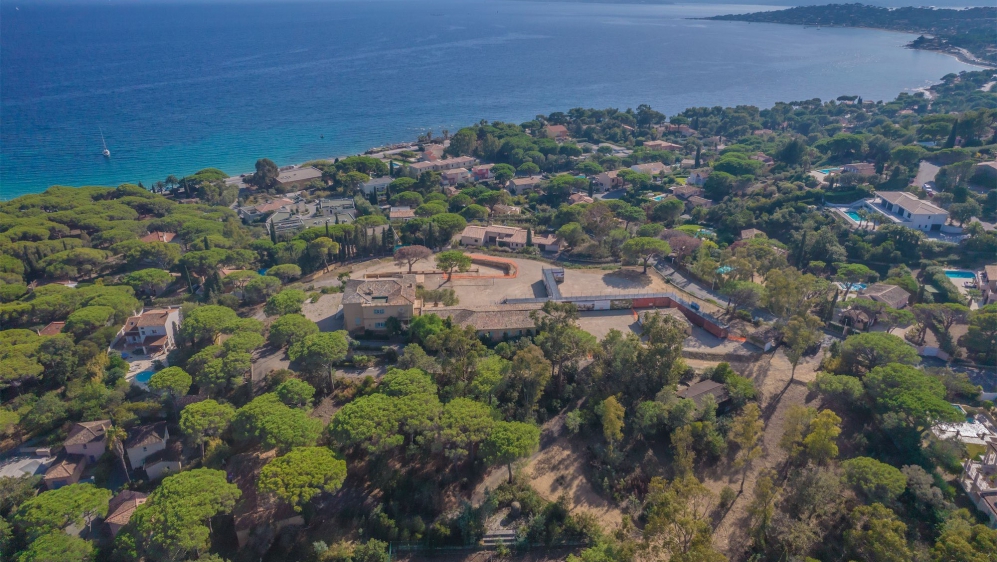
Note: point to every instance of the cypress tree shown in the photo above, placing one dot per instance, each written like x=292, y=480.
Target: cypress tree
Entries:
x=273, y=234
x=529, y=237
x=950, y=143
x=326, y=229
x=591, y=189
x=699, y=150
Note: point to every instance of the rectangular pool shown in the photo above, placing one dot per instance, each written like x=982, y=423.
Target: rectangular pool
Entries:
x=959, y=274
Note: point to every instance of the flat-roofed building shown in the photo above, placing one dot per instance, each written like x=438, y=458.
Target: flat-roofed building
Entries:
x=979, y=479
x=377, y=185
x=296, y=178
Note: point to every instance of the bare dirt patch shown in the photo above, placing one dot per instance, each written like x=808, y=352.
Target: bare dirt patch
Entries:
x=559, y=470
x=777, y=395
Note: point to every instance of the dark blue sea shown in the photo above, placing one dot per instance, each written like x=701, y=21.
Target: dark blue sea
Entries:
x=180, y=87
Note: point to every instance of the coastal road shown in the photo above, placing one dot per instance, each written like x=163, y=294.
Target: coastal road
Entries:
x=694, y=288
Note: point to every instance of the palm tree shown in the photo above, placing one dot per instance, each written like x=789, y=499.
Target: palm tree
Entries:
x=116, y=436
x=863, y=216
x=171, y=181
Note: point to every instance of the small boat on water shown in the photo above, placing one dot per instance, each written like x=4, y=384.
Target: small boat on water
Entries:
x=105, y=152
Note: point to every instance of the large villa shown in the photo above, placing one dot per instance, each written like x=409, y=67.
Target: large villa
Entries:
x=900, y=207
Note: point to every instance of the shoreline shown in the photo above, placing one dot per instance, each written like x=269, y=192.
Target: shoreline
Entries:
x=958, y=53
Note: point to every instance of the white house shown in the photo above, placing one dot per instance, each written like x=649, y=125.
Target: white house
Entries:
x=607, y=181
x=518, y=185
x=144, y=441
x=483, y=172
x=164, y=463
x=698, y=177
x=88, y=439
x=377, y=185
x=508, y=237
x=649, y=168
x=153, y=332
x=455, y=177
x=979, y=479
x=903, y=208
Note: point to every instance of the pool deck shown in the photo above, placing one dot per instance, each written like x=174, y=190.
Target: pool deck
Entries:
x=959, y=283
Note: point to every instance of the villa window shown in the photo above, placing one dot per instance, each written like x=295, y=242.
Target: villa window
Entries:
x=379, y=325
x=378, y=311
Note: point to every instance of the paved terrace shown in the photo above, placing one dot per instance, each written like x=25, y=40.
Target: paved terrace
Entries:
x=627, y=300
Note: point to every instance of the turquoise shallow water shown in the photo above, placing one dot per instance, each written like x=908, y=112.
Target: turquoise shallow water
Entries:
x=179, y=87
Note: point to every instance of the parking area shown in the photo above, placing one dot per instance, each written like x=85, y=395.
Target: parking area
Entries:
x=24, y=465
x=600, y=322
x=581, y=282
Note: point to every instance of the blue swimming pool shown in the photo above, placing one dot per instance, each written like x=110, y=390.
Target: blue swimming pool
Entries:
x=959, y=274
x=854, y=216
x=143, y=376
x=829, y=170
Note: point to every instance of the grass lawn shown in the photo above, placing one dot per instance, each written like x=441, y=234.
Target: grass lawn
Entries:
x=975, y=450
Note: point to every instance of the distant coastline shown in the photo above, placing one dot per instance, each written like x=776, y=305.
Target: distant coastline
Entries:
x=295, y=97
x=967, y=34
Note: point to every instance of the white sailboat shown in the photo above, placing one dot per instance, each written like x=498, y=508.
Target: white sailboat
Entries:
x=106, y=152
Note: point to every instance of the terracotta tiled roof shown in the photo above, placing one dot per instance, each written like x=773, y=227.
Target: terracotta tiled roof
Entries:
x=65, y=467
x=52, y=329
x=121, y=507
x=157, y=236
x=699, y=391
x=145, y=435
x=910, y=203
x=87, y=432
x=401, y=213
x=391, y=290
x=686, y=191
x=148, y=318
x=888, y=294
x=508, y=317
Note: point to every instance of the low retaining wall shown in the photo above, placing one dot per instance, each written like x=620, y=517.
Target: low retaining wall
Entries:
x=510, y=268
x=720, y=356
